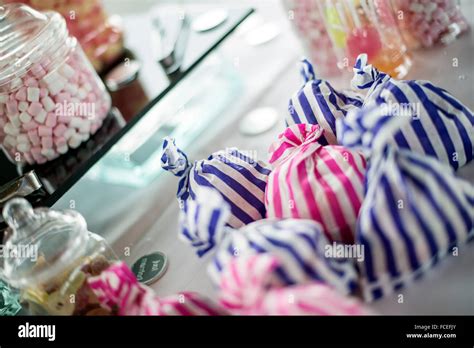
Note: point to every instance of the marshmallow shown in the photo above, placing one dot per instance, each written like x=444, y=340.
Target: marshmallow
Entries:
x=61, y=141
x=23, y=106
x=59, y=130
x=69, y=133
x=51, y=120
x=22, y=138
x=21, y=94
x=28, y=111
x=71, y=89
x=35, y=108
x=31, y=82
x=25, y=117
x=84, y=136
x=32, y=125
x=11, y=129
x=62, y=149
x=85, y=127
x=33, y=94
x=47, y=142
x=44, y=131
x=63, y=97
x=48, y=153
x=41, y=117
x=67, y=71
x=48, y=104
x=9, y=141
x=15, y=120
x=75, y=122
x=43, y=92
x=74, y=141
x=35, y=151
x=34, y=137
x=12, y=107
x=23, y=147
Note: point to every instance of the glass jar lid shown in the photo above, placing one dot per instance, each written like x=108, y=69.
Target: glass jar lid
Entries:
x=27, y=35
x=40, y=243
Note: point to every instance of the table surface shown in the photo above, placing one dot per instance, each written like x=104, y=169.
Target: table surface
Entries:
x=151, y=224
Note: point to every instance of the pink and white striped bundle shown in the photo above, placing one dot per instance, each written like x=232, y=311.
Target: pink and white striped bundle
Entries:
x=117, y=287
x=247, y=288
x=311, y=181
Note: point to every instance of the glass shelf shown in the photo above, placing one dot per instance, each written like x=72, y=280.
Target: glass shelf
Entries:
x=124, y=149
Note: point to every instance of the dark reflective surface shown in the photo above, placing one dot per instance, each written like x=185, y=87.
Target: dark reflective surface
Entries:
x=130, y=103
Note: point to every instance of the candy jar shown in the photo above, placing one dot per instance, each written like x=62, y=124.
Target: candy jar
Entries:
x=365, y=26
x=100, y=36
x=426, y=23
x=55, y=255
x=51, y=99
x=306, y=18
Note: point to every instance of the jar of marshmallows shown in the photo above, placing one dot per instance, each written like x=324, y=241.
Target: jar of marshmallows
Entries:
x=51, y=99
x=100, y=36
x=50, y=257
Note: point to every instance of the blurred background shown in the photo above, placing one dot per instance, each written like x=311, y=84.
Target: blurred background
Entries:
x=218, y=74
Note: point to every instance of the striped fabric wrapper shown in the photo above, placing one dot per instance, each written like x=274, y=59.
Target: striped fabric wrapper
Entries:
x=317, y=102
x=415, y=211
x=422, y=117
x=367, y=79
x=299, y=244
x=247, y=288
x=117, y=287
x=240, y=179
x=311, y=181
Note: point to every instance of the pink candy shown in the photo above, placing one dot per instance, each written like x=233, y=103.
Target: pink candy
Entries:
x=59, y=130
x=35, y=108
x=44, y=131
x=433, y=21
x=118, y=287
x=247, y=288
x=47, y=102
x=310, y=24
x=312, y=181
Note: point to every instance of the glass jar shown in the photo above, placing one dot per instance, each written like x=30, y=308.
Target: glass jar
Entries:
x=100, y=36
x=51, y=255
x=426, y=23
x=306, y=18
x=51, y=99
x=366, y=26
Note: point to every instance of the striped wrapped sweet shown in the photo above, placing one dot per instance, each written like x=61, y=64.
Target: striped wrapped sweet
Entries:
x=422, y=117
x=300, y=245
x=311, y=181
x=117, y=288
x=241, y=180
x=247, y=288
x=317, y=102
x=415, y=211
x=367, y=79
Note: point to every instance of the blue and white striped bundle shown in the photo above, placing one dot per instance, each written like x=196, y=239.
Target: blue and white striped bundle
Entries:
x=420, y=117
x=240, y=179
x=317, y=102
x=415, y=212
x=300, y=245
